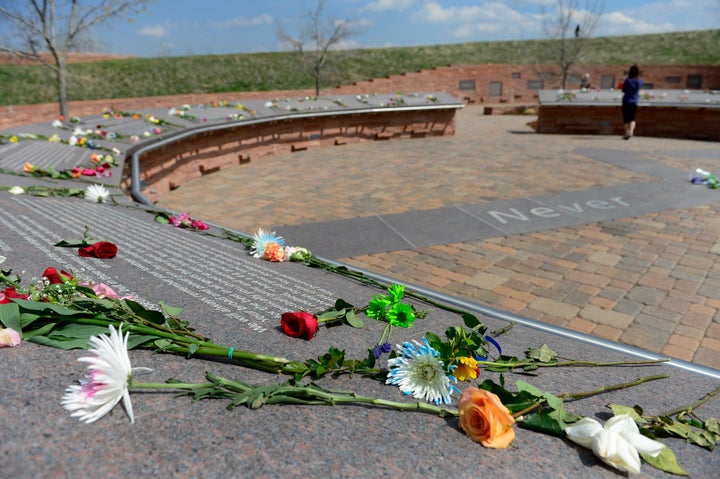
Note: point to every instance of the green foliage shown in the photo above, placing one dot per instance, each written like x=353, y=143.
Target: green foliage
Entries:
x=139, y=77
x=340, y=312
x=459, y=343
x=543, y=411
x=683, y=424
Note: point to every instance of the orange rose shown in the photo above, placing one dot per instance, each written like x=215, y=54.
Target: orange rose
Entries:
x=485, y=419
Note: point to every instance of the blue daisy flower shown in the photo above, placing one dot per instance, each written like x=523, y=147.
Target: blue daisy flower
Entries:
x=260, y=241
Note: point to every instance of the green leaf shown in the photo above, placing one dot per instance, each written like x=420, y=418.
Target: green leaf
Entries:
x=341, y=304
x=329, y=315
x=618, y=409
x=60, y=343
x=665, y=461
x=543, y=423
x=162, y=344
x=530, y=389
x=151, y=315
x=353, y=320
x=45, y=308
x=72, y=243
x=170, y=310
x=713, y=426
x=542, y=354
x=470, y=320
x=10, y=316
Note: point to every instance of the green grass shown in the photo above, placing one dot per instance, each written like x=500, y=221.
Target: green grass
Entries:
x=137, y=77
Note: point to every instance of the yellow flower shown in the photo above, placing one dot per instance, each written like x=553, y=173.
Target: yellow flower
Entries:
x=54, y=139
x=467, y=369
x=13, y=139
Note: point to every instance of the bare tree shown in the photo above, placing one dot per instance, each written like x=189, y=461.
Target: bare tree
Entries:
x=46, y=30
x=569, y=27
x=316, y=38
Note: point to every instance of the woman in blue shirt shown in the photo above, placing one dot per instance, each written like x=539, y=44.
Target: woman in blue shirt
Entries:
x=631, y=95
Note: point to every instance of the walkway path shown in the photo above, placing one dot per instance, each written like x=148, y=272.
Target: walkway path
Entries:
x=592, y=233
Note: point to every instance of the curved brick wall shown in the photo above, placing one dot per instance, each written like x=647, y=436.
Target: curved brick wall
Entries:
x=491, y=84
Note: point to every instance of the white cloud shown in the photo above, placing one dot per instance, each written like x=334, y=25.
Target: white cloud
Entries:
x=258, y=20
x=434, y=12
x=383, y=5
x=157, y=31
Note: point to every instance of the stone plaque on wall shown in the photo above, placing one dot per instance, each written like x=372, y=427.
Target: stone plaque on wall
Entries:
x=535, y=84
x=694, y=81
x=466, y=85
x=607, y=82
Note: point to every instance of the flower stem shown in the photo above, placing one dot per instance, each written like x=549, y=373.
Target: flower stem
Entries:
x=523, y=364
x=311, y=394
x=693, y=406
x=183, y=386
x=613, y=387
x=594, y=392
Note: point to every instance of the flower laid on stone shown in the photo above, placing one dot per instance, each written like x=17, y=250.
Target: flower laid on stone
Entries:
x=107, y=380
x=467, y=369
x=96, y=193
x=702, y=177
x=300, y=324
x=618, y=443
x=182, y=220
x=425, y=370
x=485, y=419
x=99, y=249
x=102, y=290
x=10, y=293
x=419, y=372
x=16, y=190
x=9, y=338
x=271, y=247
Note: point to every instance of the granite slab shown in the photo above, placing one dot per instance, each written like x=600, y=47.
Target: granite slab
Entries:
x=236, y=300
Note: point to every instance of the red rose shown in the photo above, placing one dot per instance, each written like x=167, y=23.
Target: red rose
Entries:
x=101, y=249
x=9, y=293
x=57, y=278
x=299, y=324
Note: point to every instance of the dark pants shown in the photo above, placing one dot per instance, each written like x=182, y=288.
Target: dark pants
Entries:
x=629, y=110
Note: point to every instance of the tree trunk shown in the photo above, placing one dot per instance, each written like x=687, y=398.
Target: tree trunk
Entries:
x=317, y=82
x=61, y=74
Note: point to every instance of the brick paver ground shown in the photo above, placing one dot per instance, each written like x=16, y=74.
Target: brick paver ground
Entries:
x=651, y=281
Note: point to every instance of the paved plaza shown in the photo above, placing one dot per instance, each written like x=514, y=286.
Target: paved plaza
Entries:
x=592, y=233
x=556, y=233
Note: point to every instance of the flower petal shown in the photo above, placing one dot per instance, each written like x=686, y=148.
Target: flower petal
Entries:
x=583, y=431
x=614, y=450
x=624, y=425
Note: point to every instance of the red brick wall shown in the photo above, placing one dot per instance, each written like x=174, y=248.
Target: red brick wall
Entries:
x=671, y=122
x=171, y=165
x=514, y=90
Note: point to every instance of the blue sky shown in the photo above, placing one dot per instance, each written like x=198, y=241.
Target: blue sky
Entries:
x=199, y=27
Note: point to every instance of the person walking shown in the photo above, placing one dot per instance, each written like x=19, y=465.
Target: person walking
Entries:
x=631, y=95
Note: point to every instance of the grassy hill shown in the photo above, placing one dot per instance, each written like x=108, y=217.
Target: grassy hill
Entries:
x=137, y=77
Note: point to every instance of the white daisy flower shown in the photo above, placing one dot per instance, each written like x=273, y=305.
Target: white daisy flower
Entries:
x=96, y=193
x=107, y=381
x=420, y=372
